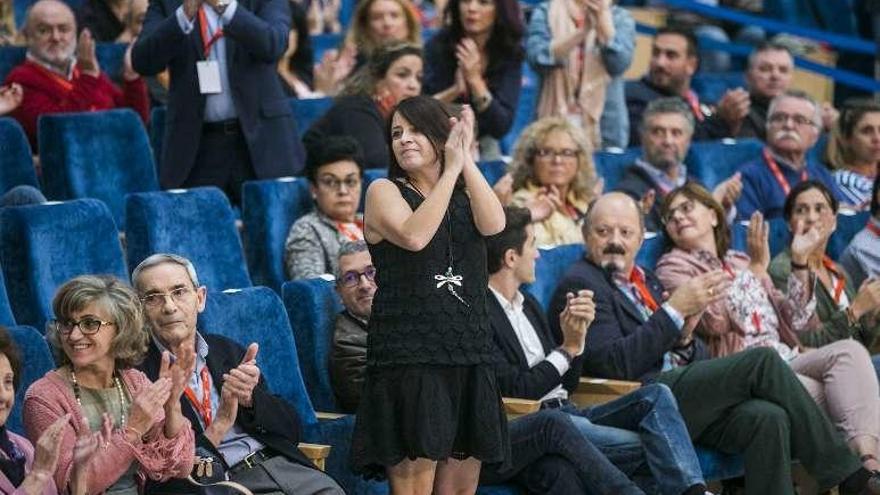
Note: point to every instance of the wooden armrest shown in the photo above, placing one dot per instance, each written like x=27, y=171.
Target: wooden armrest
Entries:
x=315, y=452
x=329, y=415
x=519, y=407
x=591, y=391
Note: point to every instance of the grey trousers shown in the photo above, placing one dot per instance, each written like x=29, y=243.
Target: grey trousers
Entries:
x=280, y=476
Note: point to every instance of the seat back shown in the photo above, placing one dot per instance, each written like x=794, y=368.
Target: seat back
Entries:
x=306, y=112
x=492, y=170
x=157, y=131
x=712, y=162
x=36, y=361
x=16, y=163
x=269, y=208
x=6, y=316
x=103, y=155
x=10, y=56
x=711, y=86
x=43, y=246
x=312, y=306
x=195, y=223
x=848, y=225
x=651, y=250
x=525, y=114
x=611, y=165
x=255, y=314
x=550, y=266
x=323, y=42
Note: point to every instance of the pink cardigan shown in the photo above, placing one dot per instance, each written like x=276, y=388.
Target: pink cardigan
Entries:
x=717, y=327
x=160, y=458
x=27, y=449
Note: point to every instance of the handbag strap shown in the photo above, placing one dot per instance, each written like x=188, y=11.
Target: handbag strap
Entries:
x=238, y=487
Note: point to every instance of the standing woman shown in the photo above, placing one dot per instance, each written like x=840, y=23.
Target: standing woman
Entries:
x=431, y=411
x=477, y=59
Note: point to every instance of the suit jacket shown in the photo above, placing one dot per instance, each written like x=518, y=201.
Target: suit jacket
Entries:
x=348, y=361
x=515, y=378
x=620, y=344
x=27, y=449
x=255, y=39
x=271, y=420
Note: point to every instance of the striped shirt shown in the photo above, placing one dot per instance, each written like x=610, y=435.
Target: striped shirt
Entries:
x=854, y=188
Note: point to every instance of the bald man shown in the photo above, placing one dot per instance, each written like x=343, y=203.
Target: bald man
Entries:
x=62, y=74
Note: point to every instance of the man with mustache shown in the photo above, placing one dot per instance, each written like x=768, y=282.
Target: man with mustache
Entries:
x=793, y=123
x=750, y=403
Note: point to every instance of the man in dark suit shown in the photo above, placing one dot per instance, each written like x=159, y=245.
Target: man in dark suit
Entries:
x=749, y=403
x=641, y=426
x=228, y=119
x=252, y=433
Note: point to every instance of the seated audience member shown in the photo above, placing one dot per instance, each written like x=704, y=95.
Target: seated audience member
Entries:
x=61, y=73
x=379, y=22
x=581, y=50
x=666, y=132
x=839, y=375
x=157, y=86
x=768, y=74
x=364, y=106
x=539, y=366
x=673, y=63
x=845, y=310
x=335, y=173
x=301, y=77
x=322, y=17
x=858, y=140
x=793, y=125
x=98, y=337
x=750, y=403
x=552, y=174
x=861, y=259
x=477, y=58
x=107, y=20
x=251, y=434
x=10, y=98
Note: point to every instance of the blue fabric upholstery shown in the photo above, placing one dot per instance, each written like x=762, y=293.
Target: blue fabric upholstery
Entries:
x=711, y=86
x=712, y=162
x=718, y=465
x=16, y=164
x=10, y=56
x=269, y=208
x=312, y=306
x=36, y=360
x=6, y=316
x=847, y=227
x=257, y=315
x=195, y=223
x=492, y=170
x=157, y=129
x=110, y=58
x=43, y=246
x=328, y=41
x=305, y=112
x=549, y=269
x=103, y=155
x=610, y=166
x=370, y=175
x=651, y=250
x=525, y=114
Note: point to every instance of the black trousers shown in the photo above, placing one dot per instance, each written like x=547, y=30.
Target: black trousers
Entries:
x=223, y=160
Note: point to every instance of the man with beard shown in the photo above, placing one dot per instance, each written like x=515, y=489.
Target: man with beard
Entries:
x=62, y=74
x=793, y=123
x=666, y=130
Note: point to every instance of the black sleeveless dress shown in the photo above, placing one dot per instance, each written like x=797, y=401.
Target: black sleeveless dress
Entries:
x=430, y=386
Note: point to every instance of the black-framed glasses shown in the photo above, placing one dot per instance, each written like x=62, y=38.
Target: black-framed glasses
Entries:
x=779, y=118
x=352, y=278
x=336, y=184
x=550, y=153
x=684, y=208
x=87, y=325
x=156, y=299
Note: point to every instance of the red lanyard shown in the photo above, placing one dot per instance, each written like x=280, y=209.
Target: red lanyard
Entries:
x=203, y=407
x=774, y=167
x=837, y=278
x=694, y=102
x=207, y=43
x=756, y=317
x=351, y=236
x=637, y=278
x=873, y=228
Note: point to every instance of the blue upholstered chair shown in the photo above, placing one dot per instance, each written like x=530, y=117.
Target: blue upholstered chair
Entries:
x=711, y=162
x=711, y=86
x=110, y=58
x=257, y=315
x=327, y=41
x=549, y=269
x=651, y=250
x=312, y=306
x=525, y=114
x=16, y=164
x=611, y=165
x=269, y=208
x=157, y=131
x=848, y=225
x=10, y=56
x=196, y=223
x=305, y=112
x=6, y=316
x=43, y=246
x=102, y=155
x=492, y=170
x=36, y=361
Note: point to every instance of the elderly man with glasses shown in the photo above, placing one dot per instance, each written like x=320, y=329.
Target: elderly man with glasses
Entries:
x=794, y=121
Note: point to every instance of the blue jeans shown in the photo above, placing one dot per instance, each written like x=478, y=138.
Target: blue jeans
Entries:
x=649, y=417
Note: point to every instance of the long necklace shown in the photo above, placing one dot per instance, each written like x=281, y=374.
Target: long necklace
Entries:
x=448, y=279
x=117, y=383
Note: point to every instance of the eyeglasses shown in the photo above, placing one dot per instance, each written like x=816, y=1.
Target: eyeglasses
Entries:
x=336, y=184
x=88, y=326
x=353, y=278
x=780, y=118
x=550, y=153
x=156, y=299
x=684, y=208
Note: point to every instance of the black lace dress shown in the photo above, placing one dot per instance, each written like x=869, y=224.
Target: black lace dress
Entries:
x=430, y=387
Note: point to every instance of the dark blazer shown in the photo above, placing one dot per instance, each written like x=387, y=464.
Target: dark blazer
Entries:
x=271, y=421
x=515, y=378
x=620, y=344
x=255, y=40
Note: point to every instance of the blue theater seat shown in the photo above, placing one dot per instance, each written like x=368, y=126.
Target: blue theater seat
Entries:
x=268, y=209
x=711, y=86
x=103, y=155
x=549, y=269
x=195, y=223
x=43, y=246
x=6, y=316
x=36, y=362
x=610, y=165
x=712, y=162
x=323, y=42
x=10, y=56
x=157, y=132
x=492, y=170
x=525, y=114
x=306, y=112
x=16, y=163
